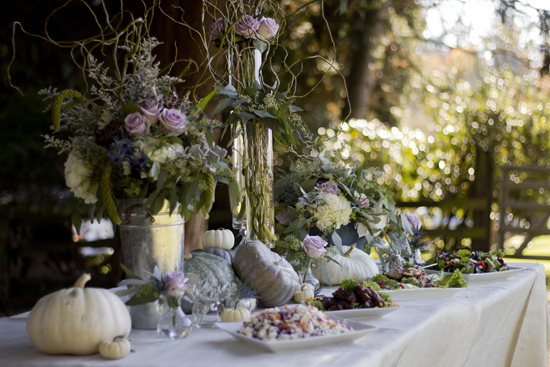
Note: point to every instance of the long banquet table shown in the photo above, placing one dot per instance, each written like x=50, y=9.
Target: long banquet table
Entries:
x=496, y=323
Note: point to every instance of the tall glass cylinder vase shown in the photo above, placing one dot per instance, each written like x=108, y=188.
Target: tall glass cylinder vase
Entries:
x=147, y=241
x=252, y=156
x=258, y=185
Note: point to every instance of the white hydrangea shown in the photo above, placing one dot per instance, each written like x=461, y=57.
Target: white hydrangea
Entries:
x=333, y=212
x=159, y=155
x=77, y=177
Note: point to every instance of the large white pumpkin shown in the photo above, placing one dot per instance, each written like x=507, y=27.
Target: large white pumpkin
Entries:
x=355, y=264
x=77, y=320
x=219, y=238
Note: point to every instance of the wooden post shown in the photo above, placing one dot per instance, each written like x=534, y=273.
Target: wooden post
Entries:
x=482, y=189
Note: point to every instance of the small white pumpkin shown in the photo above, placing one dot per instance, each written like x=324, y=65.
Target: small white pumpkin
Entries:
x=77, y=320
x=219, y=238
x=306, y=293
x=117, y=348
x=235, y=314
x=355, y=264
x=307, y=286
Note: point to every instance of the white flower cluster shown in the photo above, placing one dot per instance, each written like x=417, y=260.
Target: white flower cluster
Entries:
x=77, y=177
x=159, y=155
x=333, y=211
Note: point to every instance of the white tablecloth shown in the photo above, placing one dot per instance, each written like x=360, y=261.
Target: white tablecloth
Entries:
x=498, y=323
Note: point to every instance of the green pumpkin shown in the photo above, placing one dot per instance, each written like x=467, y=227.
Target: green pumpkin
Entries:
x=212, y=268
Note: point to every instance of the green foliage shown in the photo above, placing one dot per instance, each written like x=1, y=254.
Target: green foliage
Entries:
x=349, y=285
x=502, y=114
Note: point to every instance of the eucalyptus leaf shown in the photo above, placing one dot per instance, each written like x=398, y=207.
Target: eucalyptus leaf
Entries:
x=132, y=282
x=142, y=298
x=191, y=189
x=297, y=223
x=282, y=244
x=295, y=108
x=337, y=241
x=222, y=105
x=129, y=108
x=129, y=273
x=325, y=274
x=125, y=292
x=309, y=185
x=245, y=116
x=260, y=45
x=221, y=179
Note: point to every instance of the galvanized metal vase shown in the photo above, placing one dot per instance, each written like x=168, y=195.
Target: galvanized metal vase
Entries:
x=147, y=241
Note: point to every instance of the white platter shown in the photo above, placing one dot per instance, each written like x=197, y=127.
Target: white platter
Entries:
x=287, y=345
x=421, y=293
x=483, y=277
x=362, y=313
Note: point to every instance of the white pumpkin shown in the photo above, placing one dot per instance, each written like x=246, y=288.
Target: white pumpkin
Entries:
x=219, y=238
x=355, y=264
x=305, y=293
x=307, y=286
x=117, y=348
x=77, y=320
x=235, y=314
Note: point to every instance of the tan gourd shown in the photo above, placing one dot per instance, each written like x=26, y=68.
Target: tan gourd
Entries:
x=117, y=348
x=271, y=276
x=77, y=320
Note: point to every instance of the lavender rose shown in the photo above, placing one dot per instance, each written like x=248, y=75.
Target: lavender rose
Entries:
x=247, y=27
x=414, y=221
x=136, y=124
x=173, y=121
x=283, y=217
x=152, y=110
x=216, y=28
x=330, y=188
x=175, y=283
x=314, y=246
x=268, y=28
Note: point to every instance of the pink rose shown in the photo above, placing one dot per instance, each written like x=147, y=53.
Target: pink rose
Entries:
x=152, y=110
x=175, y=283
x=173, y=121
x=136, y=124
x=268, y=28
x=216, y=28
x=314, y=246
x=247, y=27
x=414, y=221
x=283, y=217
x=329, y=188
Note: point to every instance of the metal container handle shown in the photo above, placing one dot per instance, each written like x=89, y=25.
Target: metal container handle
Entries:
x=129, y=213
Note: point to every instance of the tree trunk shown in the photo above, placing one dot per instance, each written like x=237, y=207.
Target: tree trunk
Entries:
x=361, y=79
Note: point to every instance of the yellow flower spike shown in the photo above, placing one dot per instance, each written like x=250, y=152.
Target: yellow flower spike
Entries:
x=210, y=190
x=56, y=105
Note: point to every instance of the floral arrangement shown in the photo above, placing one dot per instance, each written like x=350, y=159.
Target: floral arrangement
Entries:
x=301, y=254
x=171, y=285
x=246, y=28
x=343, y=205
x=134, y=137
